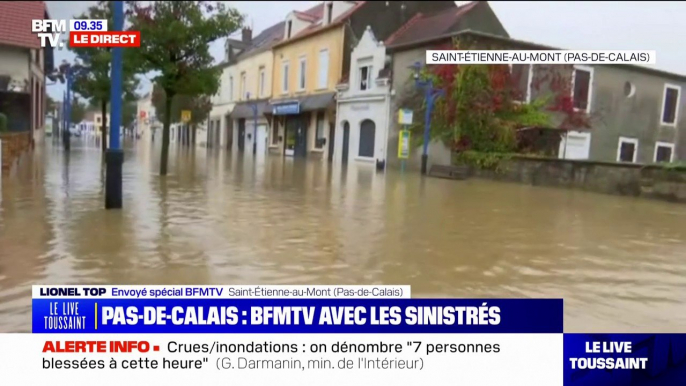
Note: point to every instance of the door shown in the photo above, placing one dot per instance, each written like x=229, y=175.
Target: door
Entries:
x=241, y=134
x=296, y=136
x=576, y=145
x=289, y=144
x=332, y=135
x=346, y=142
x=261, y=139
x=367, y=138
x=301, y=137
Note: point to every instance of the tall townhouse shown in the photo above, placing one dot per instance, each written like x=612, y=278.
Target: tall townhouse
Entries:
x=252, y=80
x=219, y=125
x=311, y=60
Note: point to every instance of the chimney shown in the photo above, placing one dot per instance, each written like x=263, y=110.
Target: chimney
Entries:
x=246, y=35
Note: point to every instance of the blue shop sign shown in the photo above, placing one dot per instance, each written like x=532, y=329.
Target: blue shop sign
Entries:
x=286, y=108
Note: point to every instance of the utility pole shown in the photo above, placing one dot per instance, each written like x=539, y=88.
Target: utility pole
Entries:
x=114, y=157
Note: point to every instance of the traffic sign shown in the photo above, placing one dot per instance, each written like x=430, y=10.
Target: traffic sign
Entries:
x=185, y=116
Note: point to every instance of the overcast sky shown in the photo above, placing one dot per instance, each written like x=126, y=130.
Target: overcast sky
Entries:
x=641, y=25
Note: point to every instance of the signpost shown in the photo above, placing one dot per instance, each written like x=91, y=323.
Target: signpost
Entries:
x=185, y=116
x=405, y=119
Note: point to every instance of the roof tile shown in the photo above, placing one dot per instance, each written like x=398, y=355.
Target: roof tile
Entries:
x=15, y=22
x=423, y=27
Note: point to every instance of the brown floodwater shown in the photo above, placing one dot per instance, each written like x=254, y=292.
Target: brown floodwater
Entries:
x=223, y=218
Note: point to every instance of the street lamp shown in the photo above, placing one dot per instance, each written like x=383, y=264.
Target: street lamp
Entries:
x=430, y=96
x=253, y=106
x=114, y=157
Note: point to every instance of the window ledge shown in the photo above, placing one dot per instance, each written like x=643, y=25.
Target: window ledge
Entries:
x=673, y=124
x=321, y=89
x=301, y=91
x=365, y=159
x=317, y=150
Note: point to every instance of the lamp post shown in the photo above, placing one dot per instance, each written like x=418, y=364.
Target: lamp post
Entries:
x=430, y=96
x=114, y=157
x=67, y=109
x=253, y=106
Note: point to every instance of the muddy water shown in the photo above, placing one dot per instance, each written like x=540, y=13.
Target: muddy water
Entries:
x=221, y=218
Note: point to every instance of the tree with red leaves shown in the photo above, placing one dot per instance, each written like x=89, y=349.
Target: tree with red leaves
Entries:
x=175, y=38
x=484, y=108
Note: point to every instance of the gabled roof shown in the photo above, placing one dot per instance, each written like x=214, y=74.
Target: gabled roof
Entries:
x=264, y=41
x=317, y=27
x=15, y=22
x=421, y=26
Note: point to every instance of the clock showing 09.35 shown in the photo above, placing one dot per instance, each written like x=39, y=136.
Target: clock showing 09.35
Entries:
x=87, y=25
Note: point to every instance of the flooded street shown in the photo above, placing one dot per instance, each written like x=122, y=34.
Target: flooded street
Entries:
x=222, y=218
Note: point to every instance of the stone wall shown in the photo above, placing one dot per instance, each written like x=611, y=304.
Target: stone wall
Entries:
x=648, y=181
x=13, y=145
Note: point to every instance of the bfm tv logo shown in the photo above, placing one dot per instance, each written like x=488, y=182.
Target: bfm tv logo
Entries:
x=83, y=33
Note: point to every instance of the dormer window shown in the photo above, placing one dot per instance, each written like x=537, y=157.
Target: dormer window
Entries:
x=289, y=27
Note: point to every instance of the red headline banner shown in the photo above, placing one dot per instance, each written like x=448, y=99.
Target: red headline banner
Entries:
x=105, y=39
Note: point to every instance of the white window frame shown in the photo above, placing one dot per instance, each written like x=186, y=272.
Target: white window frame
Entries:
x=230, y=88
x=664, y=104
x=664, y=144
x=530, y=75
x=590, y=86
x=285, y=69
x=368, y=65
x=262, y=77
x=302, y=73
x=325, y=78
x=627, y=140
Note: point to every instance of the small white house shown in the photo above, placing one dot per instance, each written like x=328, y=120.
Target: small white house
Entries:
x=363, y=105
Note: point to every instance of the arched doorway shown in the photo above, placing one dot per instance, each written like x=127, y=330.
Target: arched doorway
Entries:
x=367, y=137
x=346, y=142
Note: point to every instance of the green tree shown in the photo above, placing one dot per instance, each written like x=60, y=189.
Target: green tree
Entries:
x=129, y=110
x=175, y=43
x=92, y=67
x=78, y=111
x=49, y=104
x=199, y=106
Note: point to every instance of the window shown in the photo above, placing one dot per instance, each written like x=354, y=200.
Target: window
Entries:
x=284, y=77
x=521, y=78
x=97, y=119
x=365, y=78
x=242, y=89
x=664, y=152
x=262, y=75
x=627, y=150
x=581, y=88
x=322, y=79
x=289, y=27
x=670, y=104
x=329, y=12
x=319, y=139
x=302, y=73
x=231, y=88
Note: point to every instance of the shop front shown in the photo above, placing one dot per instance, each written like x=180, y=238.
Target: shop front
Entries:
x=300, y=126
x=252, y=126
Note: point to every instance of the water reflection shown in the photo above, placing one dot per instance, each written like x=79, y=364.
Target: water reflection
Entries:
x=228, y=218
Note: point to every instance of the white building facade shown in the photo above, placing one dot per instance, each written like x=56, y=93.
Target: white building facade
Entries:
x=363, y=105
